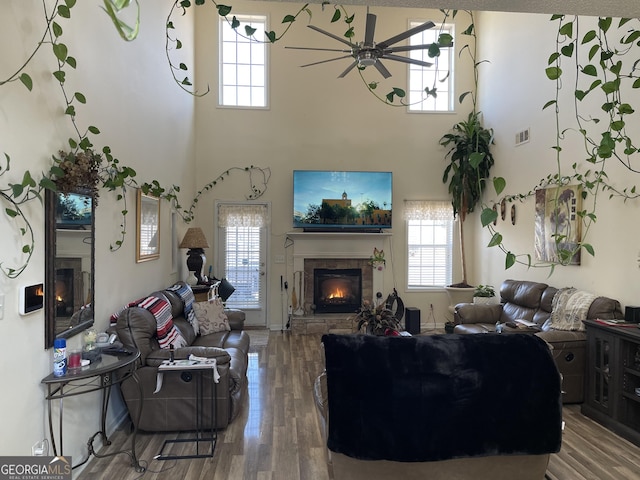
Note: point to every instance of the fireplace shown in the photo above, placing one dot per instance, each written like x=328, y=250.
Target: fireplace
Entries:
x=69, y=286
x=330, y=250
x=337, y=290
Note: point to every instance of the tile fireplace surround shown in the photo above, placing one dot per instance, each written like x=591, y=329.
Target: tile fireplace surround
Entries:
x=333, y=250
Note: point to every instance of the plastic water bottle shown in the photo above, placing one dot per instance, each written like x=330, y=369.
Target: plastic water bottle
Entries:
x=59, y=357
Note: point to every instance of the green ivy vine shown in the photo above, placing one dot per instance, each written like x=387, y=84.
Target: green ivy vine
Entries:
x=601, y=65
x=82, y=161
x=258, y=180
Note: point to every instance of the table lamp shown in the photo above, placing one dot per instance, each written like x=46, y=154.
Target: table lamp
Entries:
x=196, y=242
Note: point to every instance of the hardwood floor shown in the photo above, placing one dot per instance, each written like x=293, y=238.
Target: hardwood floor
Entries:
x=277, y=436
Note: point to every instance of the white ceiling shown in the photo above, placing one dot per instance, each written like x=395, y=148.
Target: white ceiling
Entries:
x=613, y=8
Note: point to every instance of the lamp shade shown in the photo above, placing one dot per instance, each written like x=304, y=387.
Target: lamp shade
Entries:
x=194, y=238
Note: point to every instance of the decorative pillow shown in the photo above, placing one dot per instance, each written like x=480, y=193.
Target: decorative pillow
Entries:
x=211, y=316
x=225, y=289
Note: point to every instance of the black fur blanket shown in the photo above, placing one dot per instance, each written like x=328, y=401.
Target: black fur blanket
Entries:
x=439, y=397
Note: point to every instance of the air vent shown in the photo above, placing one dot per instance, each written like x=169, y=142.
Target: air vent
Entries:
x=522, y=137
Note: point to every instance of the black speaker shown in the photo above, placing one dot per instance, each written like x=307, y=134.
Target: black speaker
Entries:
x=412, y=320
x=632, y=314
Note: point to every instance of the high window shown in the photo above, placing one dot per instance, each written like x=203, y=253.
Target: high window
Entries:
x=439, y=75
x=243, y=63
x=429, y=244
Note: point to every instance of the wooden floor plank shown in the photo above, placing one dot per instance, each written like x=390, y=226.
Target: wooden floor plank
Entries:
x=277, y=435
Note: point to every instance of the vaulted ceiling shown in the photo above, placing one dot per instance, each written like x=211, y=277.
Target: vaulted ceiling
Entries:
x=613, y=8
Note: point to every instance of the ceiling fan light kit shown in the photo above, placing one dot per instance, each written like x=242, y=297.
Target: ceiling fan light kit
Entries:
x=369, y=53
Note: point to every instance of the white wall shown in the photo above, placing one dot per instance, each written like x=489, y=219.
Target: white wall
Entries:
x=514, y=90
x=318, y=121
x=147, y=121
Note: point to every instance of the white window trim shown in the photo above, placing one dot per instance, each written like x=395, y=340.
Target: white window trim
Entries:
x=267, y=61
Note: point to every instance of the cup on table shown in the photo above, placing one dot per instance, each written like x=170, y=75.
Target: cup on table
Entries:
x=75, y=359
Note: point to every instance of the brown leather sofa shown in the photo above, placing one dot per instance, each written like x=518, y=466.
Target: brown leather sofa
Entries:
x=532, y=301
x=407, y=407
x=173, y=407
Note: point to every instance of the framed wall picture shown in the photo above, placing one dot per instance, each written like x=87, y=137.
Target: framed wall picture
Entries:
x=558, y=227
x=147, y=227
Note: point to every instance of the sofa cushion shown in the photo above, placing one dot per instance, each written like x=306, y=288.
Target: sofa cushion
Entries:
x=185, y=329
x=605, y=308
x=523, y=293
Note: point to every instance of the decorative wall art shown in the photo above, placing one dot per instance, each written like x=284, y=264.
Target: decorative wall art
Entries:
x=558, y=228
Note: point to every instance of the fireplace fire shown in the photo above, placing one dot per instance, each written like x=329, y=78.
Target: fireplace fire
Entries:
x=337, y=290
x=64, y=292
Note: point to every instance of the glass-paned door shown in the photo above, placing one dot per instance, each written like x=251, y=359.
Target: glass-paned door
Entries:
x=241, y=256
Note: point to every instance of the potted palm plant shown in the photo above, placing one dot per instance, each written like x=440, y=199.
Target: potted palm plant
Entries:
x=470, y=161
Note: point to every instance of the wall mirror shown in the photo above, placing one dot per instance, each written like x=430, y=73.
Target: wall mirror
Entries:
x=69, y=263
x=147, y=227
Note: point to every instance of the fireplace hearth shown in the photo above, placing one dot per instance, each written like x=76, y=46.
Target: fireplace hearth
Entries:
x=337, y=290
x=331, y=250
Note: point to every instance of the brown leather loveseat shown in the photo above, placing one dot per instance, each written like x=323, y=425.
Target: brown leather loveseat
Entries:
x=173, y=406
x=533, y=302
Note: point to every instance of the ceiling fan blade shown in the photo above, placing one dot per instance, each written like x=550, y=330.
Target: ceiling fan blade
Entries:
x=321, y=49
x=381, y=68
x=407, y=48
x=349, y=68
x=370, y=29
x=412, y=61
x=329, y=34
x=326, y=61
x=407, y=34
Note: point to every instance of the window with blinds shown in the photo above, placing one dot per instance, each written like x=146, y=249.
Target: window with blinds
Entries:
x=242, y=265
x=430, y=244
x=241, y=233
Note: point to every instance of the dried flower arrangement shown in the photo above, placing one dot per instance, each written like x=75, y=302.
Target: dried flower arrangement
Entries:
x=78, y=171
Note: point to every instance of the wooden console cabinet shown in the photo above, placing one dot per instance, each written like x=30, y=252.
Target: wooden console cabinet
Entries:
x=612, y=377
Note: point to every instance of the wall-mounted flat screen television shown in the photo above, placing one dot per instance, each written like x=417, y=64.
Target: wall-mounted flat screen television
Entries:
x=73, y=211
x=340, y=200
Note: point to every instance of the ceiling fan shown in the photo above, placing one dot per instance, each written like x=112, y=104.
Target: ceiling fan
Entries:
x=368, y=52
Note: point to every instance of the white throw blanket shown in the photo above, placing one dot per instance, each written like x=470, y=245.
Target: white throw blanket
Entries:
x=569, y=308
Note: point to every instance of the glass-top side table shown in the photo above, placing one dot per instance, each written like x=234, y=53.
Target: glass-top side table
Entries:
x=99, y=375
